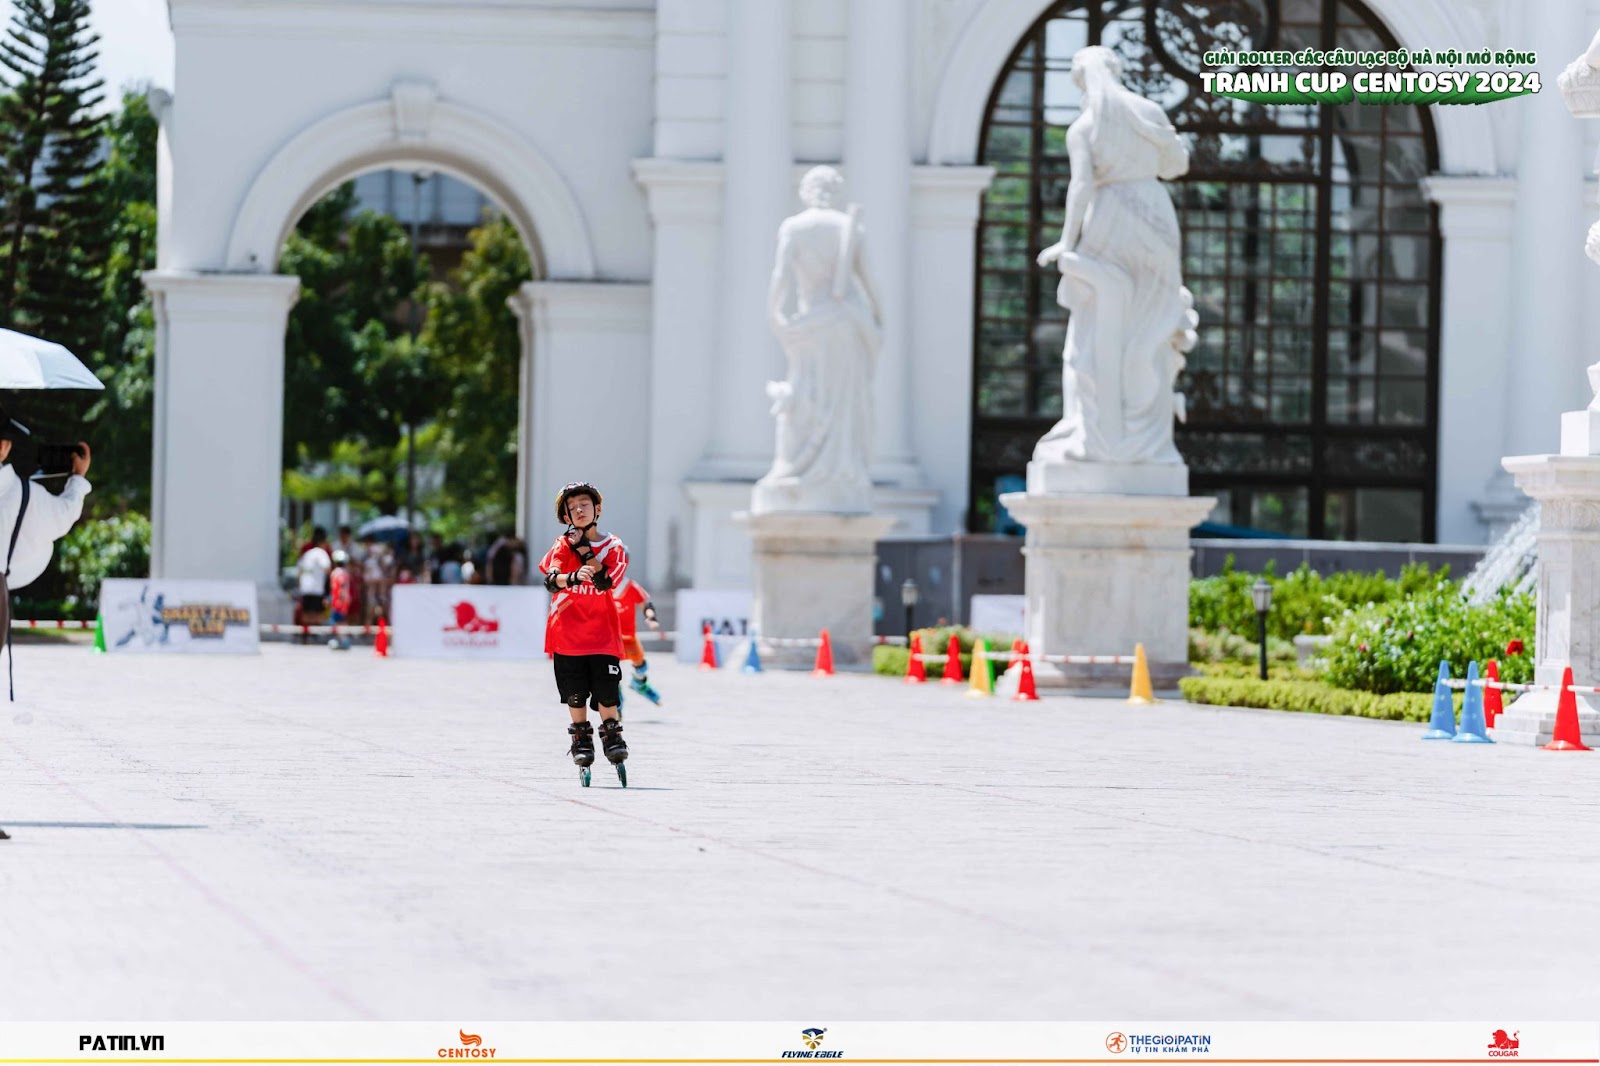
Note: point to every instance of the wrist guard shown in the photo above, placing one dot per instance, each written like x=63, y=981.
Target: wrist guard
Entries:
x=602, y=579
x=552, y=581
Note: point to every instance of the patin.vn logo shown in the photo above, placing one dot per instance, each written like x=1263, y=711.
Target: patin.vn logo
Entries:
x=1502, y=1046
x=471, y=1048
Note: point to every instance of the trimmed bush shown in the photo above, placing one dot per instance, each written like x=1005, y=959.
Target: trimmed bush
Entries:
x=112, y=547
x=1303, y=601
x=1227, y=647
x=1309, y=697
x=1397, y=647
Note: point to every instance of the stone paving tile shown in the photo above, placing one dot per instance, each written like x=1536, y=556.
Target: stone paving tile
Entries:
x=310, y=835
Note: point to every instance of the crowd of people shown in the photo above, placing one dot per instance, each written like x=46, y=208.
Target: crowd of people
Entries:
x=349, y=580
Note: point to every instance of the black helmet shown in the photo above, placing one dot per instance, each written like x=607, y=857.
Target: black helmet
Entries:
x=576, y=488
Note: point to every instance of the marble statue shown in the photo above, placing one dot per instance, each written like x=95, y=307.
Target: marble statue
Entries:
x=825, y=312
x=1120, y=260
x=1580, y=89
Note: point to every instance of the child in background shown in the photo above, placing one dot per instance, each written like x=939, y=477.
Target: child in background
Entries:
x=340, y=597
x=628, y=595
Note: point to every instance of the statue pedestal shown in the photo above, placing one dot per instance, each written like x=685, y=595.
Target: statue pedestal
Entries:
x=1106, y=572
x=1567, y=633
x=813, y=572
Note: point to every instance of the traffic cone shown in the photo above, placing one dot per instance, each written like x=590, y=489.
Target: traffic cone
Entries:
x=752, y=659
x=915, y=673
x=1568, y=736
x=824, y=667
x=1140, y=691
x=1025, y=687
x=381, y=644
x=952, y=663
x=982, y=670
x=708, y=653
x=1472, y=725
x=1493, y=699
x=1442, y=726
x=99, y=633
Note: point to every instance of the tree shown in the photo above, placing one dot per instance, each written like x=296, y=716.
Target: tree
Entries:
x=52, y=226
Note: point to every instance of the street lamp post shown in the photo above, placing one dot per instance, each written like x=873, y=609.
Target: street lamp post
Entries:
x=1261, y=596
x=908, y=597
x=419, y=178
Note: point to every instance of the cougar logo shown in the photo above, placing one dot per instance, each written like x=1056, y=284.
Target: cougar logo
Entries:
x=1502, y=1042
x=469, y=621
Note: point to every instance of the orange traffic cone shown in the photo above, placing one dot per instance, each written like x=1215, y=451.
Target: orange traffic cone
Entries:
x=1025, y=686
x=824, y=667
x=1568, y=737
x=708, y=654
x=1493, y=699
x=381, y=645
x=915, y=674
x=952, y=663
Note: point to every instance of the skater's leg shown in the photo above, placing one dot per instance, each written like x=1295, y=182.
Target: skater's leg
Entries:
x=605, y=677
x=4, y=835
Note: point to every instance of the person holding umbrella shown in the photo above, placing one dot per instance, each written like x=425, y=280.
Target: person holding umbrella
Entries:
x=31, y=518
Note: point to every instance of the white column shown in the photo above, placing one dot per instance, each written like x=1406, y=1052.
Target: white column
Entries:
x=1548, y=265
x=686, y=206
x=1475, y=222
x=759, y=194
x=877, y=161
x=218, y=425
x=583, y=383
x=944, y=218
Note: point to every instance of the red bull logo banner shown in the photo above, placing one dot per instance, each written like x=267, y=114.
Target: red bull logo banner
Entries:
x=468, y=621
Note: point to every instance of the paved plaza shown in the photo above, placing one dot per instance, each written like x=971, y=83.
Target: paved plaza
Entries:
x=308, y=835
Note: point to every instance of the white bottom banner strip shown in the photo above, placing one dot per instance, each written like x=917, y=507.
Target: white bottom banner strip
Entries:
x=1111, y=1041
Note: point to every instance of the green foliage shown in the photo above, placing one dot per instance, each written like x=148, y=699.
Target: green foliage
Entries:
x=95, y=550
x=891, y=660
x=1225, y=646
x=1303, y=601
x=1311, y=697
x=1397, y=647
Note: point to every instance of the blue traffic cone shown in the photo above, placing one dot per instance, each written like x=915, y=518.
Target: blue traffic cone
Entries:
x=1472, y=724
x=1442, y=726
x=752, y=660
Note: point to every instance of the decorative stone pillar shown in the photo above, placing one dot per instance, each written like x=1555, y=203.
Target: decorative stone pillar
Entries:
x=1106, y=572
x=218, y=428
x=812, y=572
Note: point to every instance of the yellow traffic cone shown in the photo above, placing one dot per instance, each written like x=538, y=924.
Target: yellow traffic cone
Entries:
x=1140, y=691
x=982, y=670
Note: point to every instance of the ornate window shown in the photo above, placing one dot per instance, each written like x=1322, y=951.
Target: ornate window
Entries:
x=1311, y=251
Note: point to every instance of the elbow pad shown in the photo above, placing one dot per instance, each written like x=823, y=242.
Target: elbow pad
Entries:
x=550, y=581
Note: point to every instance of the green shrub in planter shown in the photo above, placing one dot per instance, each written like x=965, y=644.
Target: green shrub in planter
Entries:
x=1311, y=697
x=1397, y=647
x=1303, y=601
x=1224, y=646
x=93, y=551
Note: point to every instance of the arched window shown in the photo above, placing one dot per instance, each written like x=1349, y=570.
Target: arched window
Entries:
x=1310, y=248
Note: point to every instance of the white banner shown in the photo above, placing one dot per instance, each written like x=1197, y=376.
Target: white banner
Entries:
x=726, y=611
x=806, y=1038
x=187, y=617
x=1000, y=614
x=468, y=621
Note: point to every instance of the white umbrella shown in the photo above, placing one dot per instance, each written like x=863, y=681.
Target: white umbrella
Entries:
x=30, y=363
x=382, y=524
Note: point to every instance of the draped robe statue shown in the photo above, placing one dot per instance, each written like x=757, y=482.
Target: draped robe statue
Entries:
x=1120, y=262
x=824, y=310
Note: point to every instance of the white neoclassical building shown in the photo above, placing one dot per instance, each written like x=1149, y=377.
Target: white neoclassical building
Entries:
x=1391, y=298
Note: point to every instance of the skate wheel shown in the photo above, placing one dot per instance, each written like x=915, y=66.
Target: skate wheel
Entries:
x=583, y=775
x=622, y=774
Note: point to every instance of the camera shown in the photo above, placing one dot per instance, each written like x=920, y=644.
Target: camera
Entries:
x=55, y=460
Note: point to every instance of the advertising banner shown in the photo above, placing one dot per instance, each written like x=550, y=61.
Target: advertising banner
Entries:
x=468, y=621
x=187, y=617
x=726, y=611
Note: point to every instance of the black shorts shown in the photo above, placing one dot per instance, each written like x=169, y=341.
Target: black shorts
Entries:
x=596, y=679
x=313, y=604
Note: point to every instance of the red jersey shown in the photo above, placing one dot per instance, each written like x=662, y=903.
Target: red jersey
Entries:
x=583, y=620
x=628, y=596
x=339, y=589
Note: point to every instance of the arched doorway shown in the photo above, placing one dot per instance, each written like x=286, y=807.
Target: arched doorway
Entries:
x=220, y=334
x=1309, y=244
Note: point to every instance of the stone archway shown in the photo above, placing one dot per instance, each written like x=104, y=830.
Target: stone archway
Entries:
x=218, y=424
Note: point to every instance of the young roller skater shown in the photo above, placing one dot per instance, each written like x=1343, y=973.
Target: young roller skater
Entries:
x=582, y=633
x=629, y=595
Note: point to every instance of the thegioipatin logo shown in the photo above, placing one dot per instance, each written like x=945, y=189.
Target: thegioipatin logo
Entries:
x=813, y=1040
x=471, y=1048
x=1160, y=1043
x=1502, y=1046
x=122, y=1043
x=1116, y=1043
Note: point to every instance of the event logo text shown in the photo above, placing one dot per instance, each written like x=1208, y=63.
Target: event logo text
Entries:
x=205, y=619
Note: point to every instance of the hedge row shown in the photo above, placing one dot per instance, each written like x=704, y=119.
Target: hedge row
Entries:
x=1311, y=697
